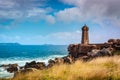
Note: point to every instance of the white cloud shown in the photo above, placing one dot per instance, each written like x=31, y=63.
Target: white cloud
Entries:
x=20, y=10
x=74, y=2
x=18, y=14
x=11, y=14
x=97, y=11
x=50, y=19
x=36, y=12
x=68, y=15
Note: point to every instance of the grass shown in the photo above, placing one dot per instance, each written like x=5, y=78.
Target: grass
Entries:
x=103, y=68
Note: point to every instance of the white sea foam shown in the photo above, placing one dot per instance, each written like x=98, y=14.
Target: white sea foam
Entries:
x=5, y=74
x=21, y=62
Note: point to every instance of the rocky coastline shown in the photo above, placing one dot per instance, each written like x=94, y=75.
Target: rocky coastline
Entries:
x=84, y=53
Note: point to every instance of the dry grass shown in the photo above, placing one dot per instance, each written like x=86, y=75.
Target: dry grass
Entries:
x=103, y=68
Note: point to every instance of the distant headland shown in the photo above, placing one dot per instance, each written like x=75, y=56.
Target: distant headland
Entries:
x=9, y=44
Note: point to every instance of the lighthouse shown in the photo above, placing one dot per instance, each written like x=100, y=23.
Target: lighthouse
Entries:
x=85, y=35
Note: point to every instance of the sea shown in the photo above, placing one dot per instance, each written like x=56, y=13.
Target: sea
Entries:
x=20, y=54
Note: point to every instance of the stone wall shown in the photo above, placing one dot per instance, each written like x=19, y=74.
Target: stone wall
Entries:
x=76, y=50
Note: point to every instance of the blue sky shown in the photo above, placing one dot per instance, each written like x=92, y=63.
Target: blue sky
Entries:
x=58, y=21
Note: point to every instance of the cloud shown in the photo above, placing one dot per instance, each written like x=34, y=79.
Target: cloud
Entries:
x=50, y=19
x=72, y=2
x=16, y=8
x=4, y=4
x=20, y=10
x=111, y=6
x=102, y=12
x=68, y=15
x=97, y=11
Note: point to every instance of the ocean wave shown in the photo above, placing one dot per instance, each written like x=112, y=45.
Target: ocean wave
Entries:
x=5, y=74
x=21, y=62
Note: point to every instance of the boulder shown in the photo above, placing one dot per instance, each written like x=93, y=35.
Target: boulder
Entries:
x=93, y=53
x=4, y=65
x=59, y=61
x=40, y=65
x=98, y=53
x=105, y=52
x=8, y=65
x=85, y=58
x=12, y=68
x=33, y=64
x=68, y=60
x=21, y=67
x=78, y=50
x=111, y=41
x=50, y=63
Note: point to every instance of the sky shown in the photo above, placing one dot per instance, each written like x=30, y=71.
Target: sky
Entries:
x=58, y=22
